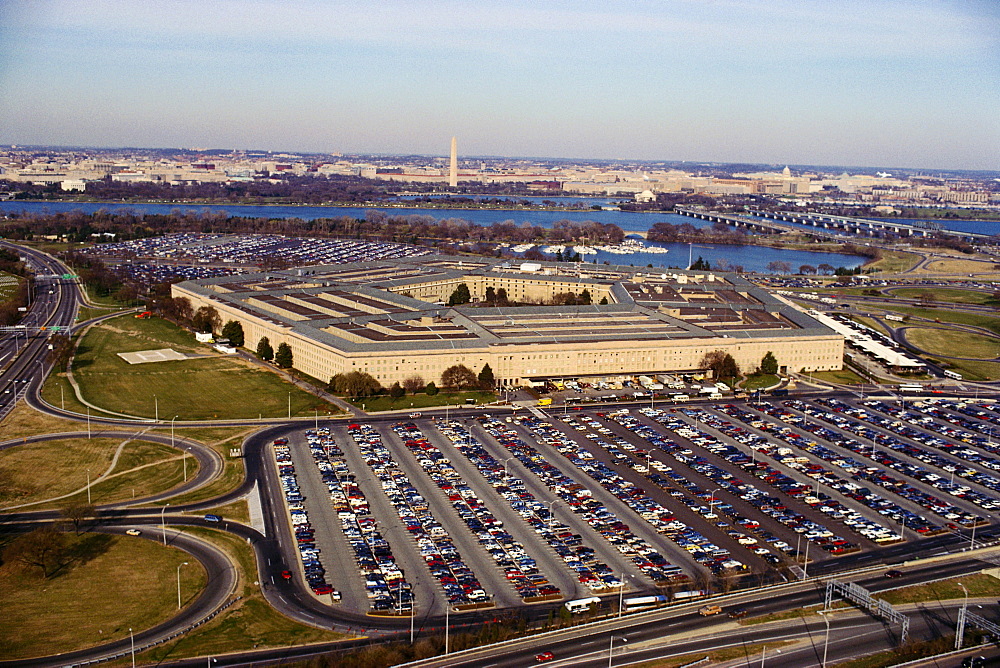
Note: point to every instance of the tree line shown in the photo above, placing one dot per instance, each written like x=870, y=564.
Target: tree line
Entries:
x=377, y=225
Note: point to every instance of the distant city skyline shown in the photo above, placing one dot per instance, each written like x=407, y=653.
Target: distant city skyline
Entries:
x=907, y=83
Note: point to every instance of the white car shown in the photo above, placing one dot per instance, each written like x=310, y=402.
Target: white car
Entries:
x=133, y=532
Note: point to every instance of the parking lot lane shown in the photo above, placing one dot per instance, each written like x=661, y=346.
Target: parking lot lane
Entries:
x=683, y=513
x=607, y=552
x=550, y=565
x=468, y=545
x=335, y=553
x=428, y=596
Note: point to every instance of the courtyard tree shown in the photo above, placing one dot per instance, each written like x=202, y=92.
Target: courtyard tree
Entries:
x=283, y=356
x=355, y=384
x=397, y=391
x=431, y=389
x=233, y=331
x=413, y=384
x=722, y=364
x=459, y=377
x=769, y=363
x=264, y=349
x=206, y=320
x=486, y=379
x=461, y=295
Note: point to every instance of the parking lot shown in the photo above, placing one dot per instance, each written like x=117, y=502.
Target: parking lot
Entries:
x=504, y=510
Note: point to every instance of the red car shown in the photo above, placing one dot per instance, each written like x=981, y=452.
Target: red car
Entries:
x=544, y=657
x=286, y=574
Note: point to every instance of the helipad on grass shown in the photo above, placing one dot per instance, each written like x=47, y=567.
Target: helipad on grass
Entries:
x=145, y=356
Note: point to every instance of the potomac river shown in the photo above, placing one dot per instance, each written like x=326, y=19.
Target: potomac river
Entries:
x=751, y=258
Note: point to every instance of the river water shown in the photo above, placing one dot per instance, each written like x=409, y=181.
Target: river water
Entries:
x=720, y=256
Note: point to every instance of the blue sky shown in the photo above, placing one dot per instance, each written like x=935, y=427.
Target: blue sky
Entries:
x=912, y=83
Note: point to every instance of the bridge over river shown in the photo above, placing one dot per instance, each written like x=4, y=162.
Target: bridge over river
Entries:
x=775, y=222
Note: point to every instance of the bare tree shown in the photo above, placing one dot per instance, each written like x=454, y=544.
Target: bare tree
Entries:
x=78, y=513
x=43, y=548
x=413, y=384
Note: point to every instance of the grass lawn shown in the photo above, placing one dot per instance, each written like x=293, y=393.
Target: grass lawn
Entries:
x=757, y=382
x=250, y=623
x=194, y=389
x=238, y=511
x=88, y=312
x=960, y=267
x=843, y=377
x=893, y=261
x=96, y=597
x=950, y=342
x=951, y=295
x=973, y=370
x=25, y=421
x=418, y=401
x=45, y=470
x=220, y=439
x=978, y=585
x=987, y=322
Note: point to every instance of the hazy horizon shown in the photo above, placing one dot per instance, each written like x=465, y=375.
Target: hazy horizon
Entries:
x=907, y=84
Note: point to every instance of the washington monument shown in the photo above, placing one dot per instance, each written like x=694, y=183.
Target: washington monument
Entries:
x=453, y=169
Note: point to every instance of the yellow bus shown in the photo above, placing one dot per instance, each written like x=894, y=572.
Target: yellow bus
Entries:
x=547, y=401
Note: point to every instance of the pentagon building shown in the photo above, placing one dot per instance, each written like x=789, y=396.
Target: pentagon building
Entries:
x=389, y=319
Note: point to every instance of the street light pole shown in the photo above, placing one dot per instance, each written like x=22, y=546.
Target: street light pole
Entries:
x=88, y=487
x=611, y=648
x=183, y=563
x=447, y=610
x=805, y=564
x=132, y=638
x=960, y=631
x=163, y=524
x=826, y=643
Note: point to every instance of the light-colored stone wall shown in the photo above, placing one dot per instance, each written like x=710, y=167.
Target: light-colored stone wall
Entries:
x=513, y=364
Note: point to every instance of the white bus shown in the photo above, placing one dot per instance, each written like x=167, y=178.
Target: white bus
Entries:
x=910, y=387
x=581, y=604
x=948, y=373
x=643, y=602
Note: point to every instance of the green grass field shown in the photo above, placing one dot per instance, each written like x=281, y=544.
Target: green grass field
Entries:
x=842, y=377
x=951, y=342
x=950, y=295
x=40, y=471
x=213, y=386
x=418, y=401
x=987, y=322
x=894, y=261
x=96, y=597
